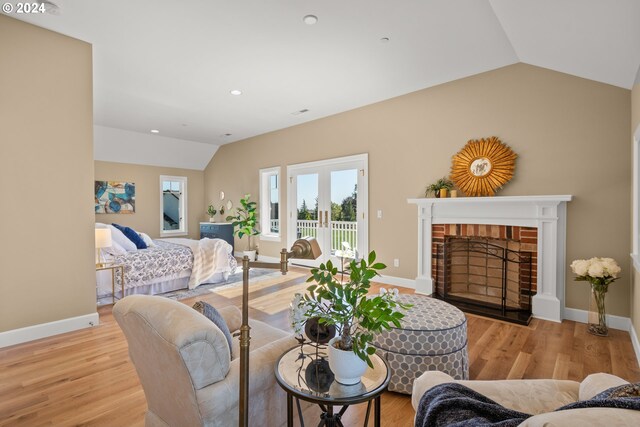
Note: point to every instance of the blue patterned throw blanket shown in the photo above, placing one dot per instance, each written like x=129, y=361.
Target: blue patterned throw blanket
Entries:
x=454, y=405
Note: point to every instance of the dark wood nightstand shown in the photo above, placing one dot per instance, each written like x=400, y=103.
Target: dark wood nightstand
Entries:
x=217, y=230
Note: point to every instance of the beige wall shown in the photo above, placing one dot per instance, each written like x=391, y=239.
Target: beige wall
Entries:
x=571, y=136
x=147, y=179
x=46, y=170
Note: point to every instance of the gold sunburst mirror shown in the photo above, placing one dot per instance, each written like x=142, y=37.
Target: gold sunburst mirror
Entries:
x=483, y=166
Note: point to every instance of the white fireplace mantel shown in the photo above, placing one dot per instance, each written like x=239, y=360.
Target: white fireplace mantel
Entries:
x=547, y=213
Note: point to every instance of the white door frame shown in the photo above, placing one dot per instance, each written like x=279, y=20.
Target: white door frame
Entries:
x=359, y=161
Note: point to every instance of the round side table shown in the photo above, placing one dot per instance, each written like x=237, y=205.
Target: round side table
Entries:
x=303, y=372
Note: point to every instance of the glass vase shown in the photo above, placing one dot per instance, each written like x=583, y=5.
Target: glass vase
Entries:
x=597, y=313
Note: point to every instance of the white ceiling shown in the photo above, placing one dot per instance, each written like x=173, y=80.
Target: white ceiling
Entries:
x=170, y=65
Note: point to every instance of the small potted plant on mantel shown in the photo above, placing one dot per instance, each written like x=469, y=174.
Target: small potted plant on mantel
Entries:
x=245, y=222
x=212, y=213
x=439, y=188
x=356, y=315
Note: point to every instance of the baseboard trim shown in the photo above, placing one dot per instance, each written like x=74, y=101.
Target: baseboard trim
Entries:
x=44, y=330
x=582, y=316
x=396, y=281
x=634, y=341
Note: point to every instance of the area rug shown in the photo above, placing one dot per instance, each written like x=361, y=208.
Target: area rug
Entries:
x=234, y=280
x=256, y=275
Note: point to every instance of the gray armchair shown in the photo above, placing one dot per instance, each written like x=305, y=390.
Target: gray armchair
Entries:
x=182, y=360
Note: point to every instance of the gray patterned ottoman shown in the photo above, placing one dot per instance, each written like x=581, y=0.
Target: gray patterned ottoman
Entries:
x=433, y=337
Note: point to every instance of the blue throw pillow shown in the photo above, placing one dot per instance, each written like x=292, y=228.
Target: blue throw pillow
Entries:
x=132, y=235
x=212, y=314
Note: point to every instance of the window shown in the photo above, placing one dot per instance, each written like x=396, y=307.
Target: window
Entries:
x=635, y=255
x=173, y=205
x=270, y=204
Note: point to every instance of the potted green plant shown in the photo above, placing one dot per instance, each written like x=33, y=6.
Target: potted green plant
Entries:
x=212, y=213
x=356, y=315
x=437, y=187
x=244, y=223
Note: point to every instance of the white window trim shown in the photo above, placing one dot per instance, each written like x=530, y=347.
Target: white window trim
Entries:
x=265, y=225
x=184, y=226
x=635, y=255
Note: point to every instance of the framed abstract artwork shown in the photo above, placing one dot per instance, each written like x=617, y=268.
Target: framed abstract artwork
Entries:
x=115, y=197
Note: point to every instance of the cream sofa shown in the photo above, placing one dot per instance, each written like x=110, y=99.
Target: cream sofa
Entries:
x=183, y=363
x=541, y=397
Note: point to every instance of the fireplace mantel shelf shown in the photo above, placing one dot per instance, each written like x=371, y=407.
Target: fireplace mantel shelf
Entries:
x=546, y=213
x=495, y=199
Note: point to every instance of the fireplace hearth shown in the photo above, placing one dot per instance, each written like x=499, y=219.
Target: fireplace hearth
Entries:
x=487, y=276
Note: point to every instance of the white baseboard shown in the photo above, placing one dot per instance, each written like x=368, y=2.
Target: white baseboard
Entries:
x=614, y=322
x=634, y=341
x=44, y=330
x=396, y=281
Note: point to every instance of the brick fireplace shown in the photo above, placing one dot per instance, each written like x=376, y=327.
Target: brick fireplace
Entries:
x=486, y=269
x=533, y=224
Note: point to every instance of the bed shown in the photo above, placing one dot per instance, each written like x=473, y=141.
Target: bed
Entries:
x=169, y=265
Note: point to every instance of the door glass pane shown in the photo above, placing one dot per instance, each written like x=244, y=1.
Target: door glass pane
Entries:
x=344, y=214
x=307, y=205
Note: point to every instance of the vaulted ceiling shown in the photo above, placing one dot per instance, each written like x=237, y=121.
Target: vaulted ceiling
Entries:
x=171, y=65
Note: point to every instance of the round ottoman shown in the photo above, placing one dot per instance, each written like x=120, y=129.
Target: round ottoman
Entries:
x=433, y=337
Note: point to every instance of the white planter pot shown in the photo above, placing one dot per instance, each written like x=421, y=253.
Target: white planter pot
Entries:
x=250, y=254
x=212, y=219
x=345, y=365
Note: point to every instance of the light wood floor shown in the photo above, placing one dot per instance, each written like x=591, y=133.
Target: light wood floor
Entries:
x=85, y=377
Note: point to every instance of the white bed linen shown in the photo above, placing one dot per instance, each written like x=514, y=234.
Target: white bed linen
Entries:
x=214, y=266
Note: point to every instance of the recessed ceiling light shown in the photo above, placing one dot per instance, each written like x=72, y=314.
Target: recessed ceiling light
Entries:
x=384, y=40
x=235, y=92
x=227, y=134
x=49, y=7
x=155, y=131
x=310, y=19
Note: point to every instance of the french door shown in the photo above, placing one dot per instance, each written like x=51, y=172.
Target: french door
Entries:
x=328, y=200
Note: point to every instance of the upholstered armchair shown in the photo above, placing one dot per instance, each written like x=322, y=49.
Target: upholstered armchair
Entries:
x=541, y=397
x=184, y=365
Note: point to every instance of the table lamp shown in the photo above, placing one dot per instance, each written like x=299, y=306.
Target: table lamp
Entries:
x=305, y=248
x=103, y=240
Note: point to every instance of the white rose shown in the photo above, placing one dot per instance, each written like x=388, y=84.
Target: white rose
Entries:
x=596, y=269
x=580, y=267
x=611, y=267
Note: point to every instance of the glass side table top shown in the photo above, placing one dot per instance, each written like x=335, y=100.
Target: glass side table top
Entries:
x=305, y=373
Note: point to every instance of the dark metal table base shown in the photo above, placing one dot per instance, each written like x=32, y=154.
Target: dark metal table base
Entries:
x=328, y=418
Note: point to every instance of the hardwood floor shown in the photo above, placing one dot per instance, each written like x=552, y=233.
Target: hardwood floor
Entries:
x=85, y=378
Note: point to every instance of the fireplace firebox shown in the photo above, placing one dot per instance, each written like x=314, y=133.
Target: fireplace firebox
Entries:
x=486, y=276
